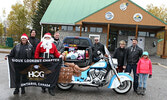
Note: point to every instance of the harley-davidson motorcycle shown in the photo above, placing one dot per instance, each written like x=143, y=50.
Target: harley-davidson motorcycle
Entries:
x=100, y=74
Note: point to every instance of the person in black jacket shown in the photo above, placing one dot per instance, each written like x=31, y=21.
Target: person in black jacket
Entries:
x=97, y=47
x=58, y=43
x=133, y=53
x=119, y=54
x=33, y=40
x=23, y=50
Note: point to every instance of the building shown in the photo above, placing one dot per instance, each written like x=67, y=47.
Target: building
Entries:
x=111, y=20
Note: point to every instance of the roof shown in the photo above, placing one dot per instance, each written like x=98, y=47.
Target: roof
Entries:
x=68, y=12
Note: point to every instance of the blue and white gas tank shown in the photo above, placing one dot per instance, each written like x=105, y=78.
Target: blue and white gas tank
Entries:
x=100, y=64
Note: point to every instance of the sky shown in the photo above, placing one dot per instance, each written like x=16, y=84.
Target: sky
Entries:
x=6, y=4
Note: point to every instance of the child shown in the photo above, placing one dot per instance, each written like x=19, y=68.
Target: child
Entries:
x=144, y=68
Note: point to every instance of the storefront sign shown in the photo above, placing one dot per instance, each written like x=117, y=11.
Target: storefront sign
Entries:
x=109, y=15
x=123, y=6
x=138, y=17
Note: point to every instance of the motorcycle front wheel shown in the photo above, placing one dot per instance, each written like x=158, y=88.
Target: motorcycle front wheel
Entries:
x=65, y=86
x=124, y=88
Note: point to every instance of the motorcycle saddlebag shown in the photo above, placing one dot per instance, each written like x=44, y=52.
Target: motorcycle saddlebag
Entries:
x=65, y=75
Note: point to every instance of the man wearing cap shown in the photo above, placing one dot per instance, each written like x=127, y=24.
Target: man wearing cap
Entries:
x=47, y=49
x=23, y=50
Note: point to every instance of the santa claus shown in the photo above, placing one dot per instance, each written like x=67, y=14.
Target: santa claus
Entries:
x=46, y=48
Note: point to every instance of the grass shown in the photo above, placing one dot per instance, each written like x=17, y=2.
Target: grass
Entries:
x=5, y=47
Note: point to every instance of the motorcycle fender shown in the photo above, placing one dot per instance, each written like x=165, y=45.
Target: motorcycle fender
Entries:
x=114, y=83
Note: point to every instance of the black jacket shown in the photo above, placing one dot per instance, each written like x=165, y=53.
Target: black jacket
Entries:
x=98, y=47
x=34, y=42
x=132, y=55
x=22, y=51
x=119, y=54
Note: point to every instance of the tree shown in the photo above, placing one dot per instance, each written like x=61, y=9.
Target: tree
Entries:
x=42, y=6
x=1, y=29
x=160, y=12
x=17, y=21
x=31, y=6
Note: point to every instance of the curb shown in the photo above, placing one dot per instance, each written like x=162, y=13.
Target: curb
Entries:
x=162, y=65
x=155, y=63
x=4, y=51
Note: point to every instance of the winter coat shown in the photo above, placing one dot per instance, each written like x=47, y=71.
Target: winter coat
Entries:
x=144, y=66
x=119, y=54
x=132, y=55
x=98, y=47
x=34, y=42
x=22, y=51
x=59, y=46
x=40, y=50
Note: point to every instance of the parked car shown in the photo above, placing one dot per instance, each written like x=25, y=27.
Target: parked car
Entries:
x=78, y=50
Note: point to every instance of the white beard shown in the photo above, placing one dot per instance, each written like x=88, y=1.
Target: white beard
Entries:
x=47, y=44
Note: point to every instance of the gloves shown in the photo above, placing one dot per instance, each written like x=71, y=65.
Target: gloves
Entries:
x=150, y=76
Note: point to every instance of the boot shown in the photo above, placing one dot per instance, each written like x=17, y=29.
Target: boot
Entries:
x=143, y=91
x=16, y=91
x=51, y=91
x=23, y=90
x=43, y=90
x=139, y=90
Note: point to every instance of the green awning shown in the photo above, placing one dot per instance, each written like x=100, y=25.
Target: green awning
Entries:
x=68, y=12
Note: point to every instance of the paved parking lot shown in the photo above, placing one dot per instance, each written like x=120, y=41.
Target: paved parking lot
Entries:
x=156, y=89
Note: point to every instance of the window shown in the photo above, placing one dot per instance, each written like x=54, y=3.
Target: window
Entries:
x=127, y=32
x=67, y=28
x=146, y=34
x=84, y=29
x=70, y=28
x=64, y=28
x=92, y=29
x=99, y=29
x=96, y=29
x=142, y=33
x=84, y=42
x=77, y=28
x=152, y=34
x=76, y=41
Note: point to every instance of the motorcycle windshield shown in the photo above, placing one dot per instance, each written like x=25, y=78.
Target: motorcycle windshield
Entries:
x=106, y=51
x=109, y=56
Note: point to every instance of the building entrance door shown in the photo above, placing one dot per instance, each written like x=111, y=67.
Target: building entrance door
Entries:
x=112, y=42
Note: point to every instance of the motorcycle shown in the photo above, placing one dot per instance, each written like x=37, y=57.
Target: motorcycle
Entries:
x=100, y=74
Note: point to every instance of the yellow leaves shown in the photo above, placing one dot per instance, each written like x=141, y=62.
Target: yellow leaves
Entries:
x=1, y=29
x=160, y=12
x=17, y=21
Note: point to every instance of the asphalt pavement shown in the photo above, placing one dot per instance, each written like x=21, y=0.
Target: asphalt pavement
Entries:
x=156, y=89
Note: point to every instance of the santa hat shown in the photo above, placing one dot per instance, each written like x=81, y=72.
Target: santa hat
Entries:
x=47, y=35
x=24, y=35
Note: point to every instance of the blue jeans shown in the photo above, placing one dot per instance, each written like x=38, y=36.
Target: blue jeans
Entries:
x=142, y=80
x=128, y=69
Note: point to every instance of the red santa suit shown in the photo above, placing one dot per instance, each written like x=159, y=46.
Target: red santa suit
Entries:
x=43, y=47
